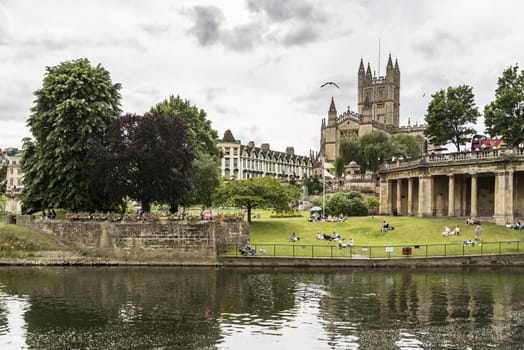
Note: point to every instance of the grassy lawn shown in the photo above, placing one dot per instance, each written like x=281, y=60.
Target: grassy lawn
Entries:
x=422, y=235
x=18, y=241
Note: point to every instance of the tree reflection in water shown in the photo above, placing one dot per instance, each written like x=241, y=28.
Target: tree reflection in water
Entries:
x=208, y=308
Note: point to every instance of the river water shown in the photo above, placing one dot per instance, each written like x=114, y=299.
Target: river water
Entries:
x=211, y=308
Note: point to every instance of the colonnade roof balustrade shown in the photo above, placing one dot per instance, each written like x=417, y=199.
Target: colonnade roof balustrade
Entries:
x=456, y=158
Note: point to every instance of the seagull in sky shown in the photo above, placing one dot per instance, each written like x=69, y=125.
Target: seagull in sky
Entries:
x=329, y=83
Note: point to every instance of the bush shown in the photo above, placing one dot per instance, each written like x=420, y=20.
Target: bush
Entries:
x=285, y=215
x=349, y=204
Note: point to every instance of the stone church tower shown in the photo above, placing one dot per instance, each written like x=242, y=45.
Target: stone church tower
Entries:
x=379, y=97
x=378, y=110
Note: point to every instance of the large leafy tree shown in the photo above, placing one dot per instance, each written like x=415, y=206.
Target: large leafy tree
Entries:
x=72, y=113
x=259, y=192
x=372, y=149
x=206, y=179
x=450, y=116
x=147, y=158
x=505, y=116
x=203, y=138
x=351, y=204
x=200, y=133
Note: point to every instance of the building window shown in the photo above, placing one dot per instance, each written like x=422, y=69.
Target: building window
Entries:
x=235, y=151
x=226, y=162
x=235, y=163
x=226, y=151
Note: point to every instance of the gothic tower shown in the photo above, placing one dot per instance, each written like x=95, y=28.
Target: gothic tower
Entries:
x=379, y=97
x=329, y=135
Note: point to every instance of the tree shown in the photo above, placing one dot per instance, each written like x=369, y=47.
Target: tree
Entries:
x=372, y=149
x=3, y=175
x=372, y=203
x=147, y=158
x=203, y=139
x=449, y=116
x=351, y=204
x=258, y=192
x=405, y=146
x=72, y=113
x=505, y=115
x=206, y=179
x=313, y=184
x=201, y=135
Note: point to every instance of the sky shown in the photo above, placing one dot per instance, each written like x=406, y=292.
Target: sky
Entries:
x=256, y=66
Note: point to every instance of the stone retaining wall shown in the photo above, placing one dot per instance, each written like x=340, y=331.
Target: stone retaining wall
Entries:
x=191, y=242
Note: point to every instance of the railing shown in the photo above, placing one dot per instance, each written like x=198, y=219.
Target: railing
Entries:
x=445, y=158
x=298, y=250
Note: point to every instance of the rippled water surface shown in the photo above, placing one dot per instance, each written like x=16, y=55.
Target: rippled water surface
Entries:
x=207, y=308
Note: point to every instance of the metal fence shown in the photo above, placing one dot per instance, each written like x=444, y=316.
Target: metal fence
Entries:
x=373, y=252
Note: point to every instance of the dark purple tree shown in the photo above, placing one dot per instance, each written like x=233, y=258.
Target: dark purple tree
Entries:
x=147, y=158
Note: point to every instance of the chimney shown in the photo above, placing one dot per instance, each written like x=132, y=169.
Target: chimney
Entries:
x=265, y=147
x=290, y=151
x=251, y=144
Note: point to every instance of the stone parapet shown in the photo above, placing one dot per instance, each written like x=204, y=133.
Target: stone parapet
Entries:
x=171, y=242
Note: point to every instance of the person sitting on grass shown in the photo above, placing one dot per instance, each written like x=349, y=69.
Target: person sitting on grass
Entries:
x=469, y=243
x=350, y=242
x=294, y=237
x=319, y=236
x=446, y=232
x=456, y=231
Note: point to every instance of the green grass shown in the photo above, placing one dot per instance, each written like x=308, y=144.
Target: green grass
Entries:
x=426, y=233
x=18, y=241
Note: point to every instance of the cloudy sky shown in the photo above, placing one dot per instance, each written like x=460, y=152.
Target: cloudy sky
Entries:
x=256, y=66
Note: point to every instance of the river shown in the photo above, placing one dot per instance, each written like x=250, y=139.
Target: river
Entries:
x=214, y=308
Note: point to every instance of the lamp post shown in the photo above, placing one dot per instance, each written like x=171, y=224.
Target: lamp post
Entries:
x=323, y=190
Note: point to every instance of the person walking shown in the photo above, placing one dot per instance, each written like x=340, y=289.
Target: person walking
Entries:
x=478, y=232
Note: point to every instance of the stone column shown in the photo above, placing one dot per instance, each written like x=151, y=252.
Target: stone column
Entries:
x=474, y=195
x=425, y=197
x=410, y=196
x=399, y=197
x=504, y=197
x=451, y=195
x=384, y=199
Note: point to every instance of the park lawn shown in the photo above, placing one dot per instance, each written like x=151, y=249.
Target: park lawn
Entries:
x=365, y=231
x=19, y=241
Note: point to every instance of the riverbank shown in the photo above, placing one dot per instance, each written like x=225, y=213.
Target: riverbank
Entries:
x=72, y=258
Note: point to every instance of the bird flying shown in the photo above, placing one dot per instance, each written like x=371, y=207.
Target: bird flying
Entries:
x=329, y=83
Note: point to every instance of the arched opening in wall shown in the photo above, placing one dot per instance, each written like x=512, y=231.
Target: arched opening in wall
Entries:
x=440, y=195
x=518, y=195
x=486, y=195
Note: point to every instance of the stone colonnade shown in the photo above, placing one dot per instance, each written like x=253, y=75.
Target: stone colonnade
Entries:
x=491, y=190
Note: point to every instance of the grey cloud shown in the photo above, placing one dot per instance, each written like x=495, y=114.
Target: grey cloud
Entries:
x=437, y=42
x=154, y=28
x=244, y=37
x=207, y=23
x=300, y=35
x=278, y=10
x=288, y=23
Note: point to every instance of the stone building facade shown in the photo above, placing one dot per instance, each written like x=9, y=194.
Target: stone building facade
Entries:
x=378, y=110
x=248, y=161
x=488, y=185
x=13, y=180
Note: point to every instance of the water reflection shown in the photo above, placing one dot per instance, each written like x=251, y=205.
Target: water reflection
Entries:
x=12, y=324
x=206, y=308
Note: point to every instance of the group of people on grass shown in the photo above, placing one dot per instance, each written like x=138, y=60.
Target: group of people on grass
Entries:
x=447, y=232
x=516, y=226
x=317, y=217
x=337, y=238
